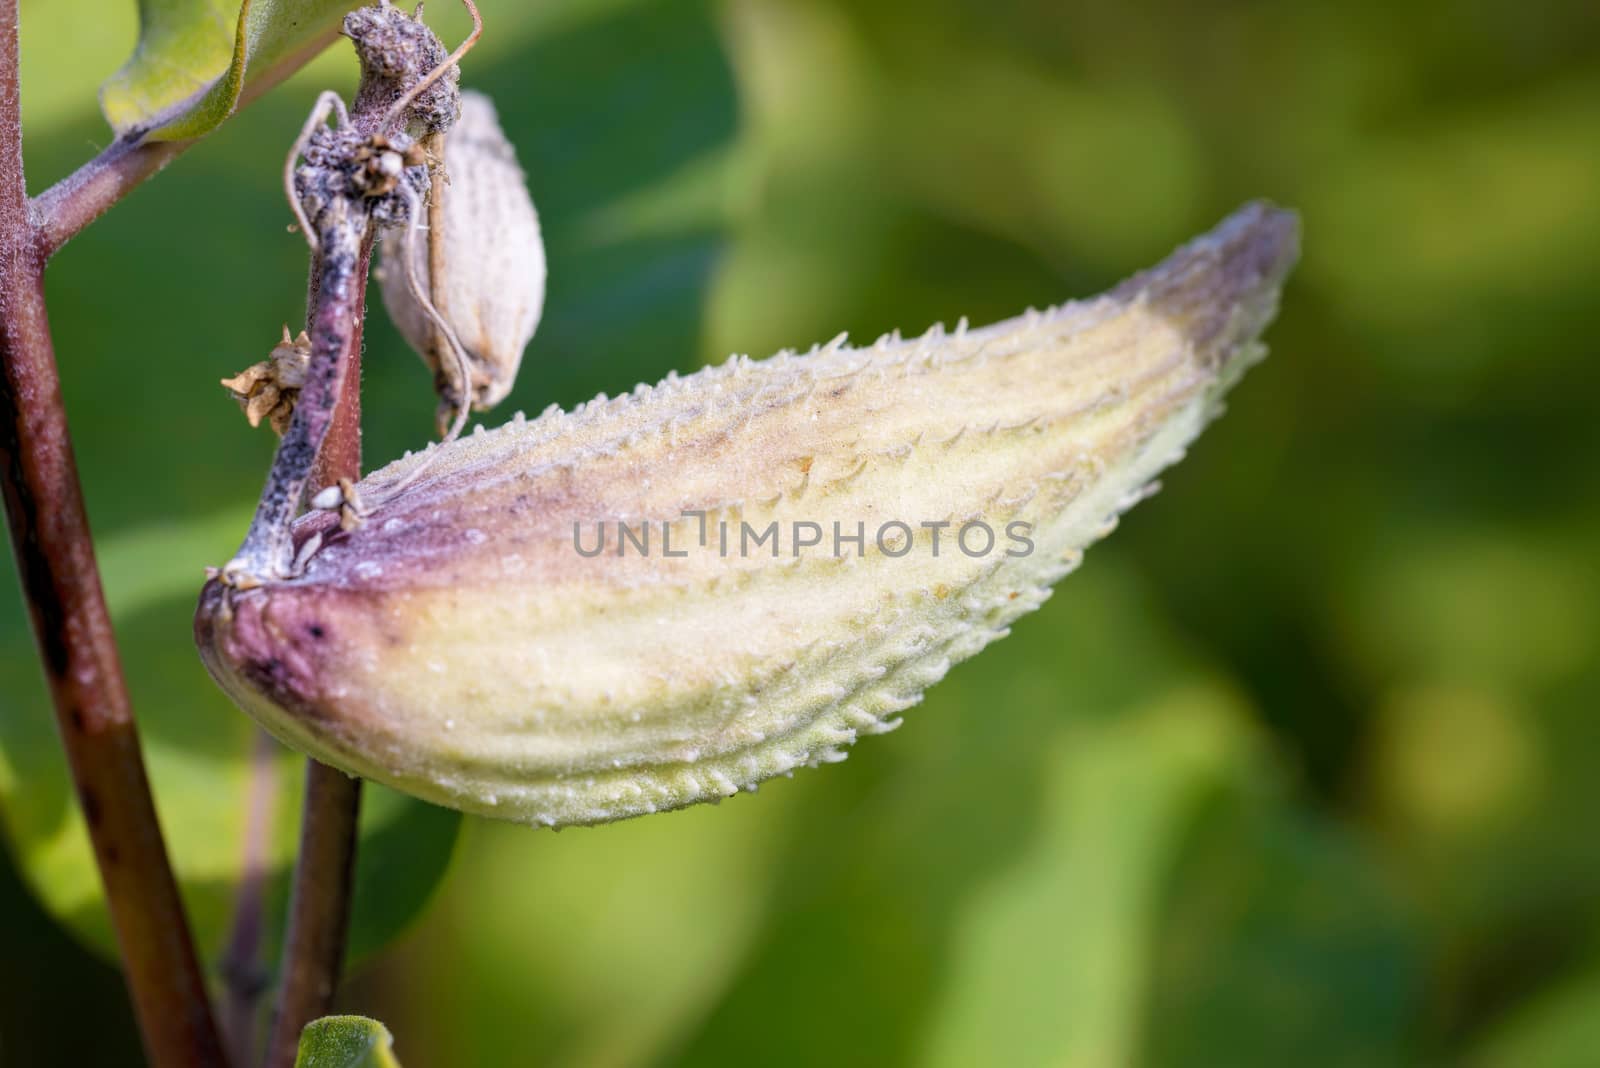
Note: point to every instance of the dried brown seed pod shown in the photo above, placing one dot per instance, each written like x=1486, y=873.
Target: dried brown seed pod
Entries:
x=483, y=265
x=799, y=547
x=268, y=390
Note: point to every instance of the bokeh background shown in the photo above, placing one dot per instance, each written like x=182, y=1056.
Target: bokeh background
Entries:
x=1303, y=766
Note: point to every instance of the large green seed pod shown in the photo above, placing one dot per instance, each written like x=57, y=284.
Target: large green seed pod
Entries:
x=794, y=550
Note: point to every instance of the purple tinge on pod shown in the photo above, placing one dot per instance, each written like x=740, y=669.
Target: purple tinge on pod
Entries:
x=671, y=595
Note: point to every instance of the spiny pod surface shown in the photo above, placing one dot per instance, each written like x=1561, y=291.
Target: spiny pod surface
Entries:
x=669, y=596
x=482, y=264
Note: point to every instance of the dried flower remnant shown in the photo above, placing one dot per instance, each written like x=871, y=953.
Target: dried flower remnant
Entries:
x=267, y=390
x=483, y=266
x=464, y=644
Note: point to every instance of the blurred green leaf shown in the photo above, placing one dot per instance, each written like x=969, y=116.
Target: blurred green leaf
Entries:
x=346, y=1042
x=210, y=767
x=195, y=57
x=1170, y=913
x=65, y=57
x=1279, y=940
x=1560, y=1029
x=1048, y=963
x=1478, y=643
x=593, y=948
x=1449, y=306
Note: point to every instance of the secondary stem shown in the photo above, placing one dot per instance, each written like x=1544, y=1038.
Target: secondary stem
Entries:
x=338, y=296
x=319, y=915
x=64, y=209
x=90, y=191
x=244, y=975
x=319, y=918
x=50, y=534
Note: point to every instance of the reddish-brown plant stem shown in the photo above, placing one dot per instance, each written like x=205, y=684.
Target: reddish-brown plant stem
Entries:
x=319, y=911
x=64, y=209
x=319, y=917
x=50, y=534
x=86, y=194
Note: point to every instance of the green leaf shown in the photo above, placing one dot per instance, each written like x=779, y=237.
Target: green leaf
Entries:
x=1279, y=933
x=196, y=58
x=1049, y=959
x=346, y=1042
x=208, y=764
x=1168, y=913
x=1554, y=1028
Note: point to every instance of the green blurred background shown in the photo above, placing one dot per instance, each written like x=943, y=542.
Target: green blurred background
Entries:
x=1299, y=768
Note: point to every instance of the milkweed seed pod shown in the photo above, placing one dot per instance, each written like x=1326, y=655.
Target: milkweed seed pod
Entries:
x=669, y=596
x=482, y=263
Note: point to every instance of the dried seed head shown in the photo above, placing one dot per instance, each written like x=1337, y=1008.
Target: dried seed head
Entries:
x=670, y=596
x=483, y=267
x=398, y=51
x=370, y=166
x=382, y=161
x=268, y=390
